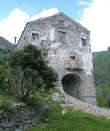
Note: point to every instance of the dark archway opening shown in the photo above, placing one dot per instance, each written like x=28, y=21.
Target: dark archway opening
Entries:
x=71, y=85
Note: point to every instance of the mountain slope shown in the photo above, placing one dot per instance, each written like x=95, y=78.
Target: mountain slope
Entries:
x=101, y=64
x=5, y=44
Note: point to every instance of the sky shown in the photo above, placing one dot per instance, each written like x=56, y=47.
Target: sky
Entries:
x=93, y=14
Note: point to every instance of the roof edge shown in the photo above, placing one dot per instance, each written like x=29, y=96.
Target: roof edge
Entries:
x=60, y=13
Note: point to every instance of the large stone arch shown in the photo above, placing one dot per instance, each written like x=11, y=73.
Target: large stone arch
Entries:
x=72, y=85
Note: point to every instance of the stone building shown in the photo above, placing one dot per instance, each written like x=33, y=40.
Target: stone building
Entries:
x=66, y=45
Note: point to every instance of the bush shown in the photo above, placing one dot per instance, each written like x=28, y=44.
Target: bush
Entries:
x=5, y=75
x=31, y=72
x=101, y=101
x=6, y=106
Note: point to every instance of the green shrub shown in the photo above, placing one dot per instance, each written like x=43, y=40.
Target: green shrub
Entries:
x=101, y=101
x=9, y=99
x=5, y=75
x=31, y=72
x=6, y=106
x=45, y=97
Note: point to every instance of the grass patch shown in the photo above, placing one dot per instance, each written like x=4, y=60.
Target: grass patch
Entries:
x=55, y=120
x=9, y=99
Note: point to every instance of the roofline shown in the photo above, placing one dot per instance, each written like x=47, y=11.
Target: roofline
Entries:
x=76, y=22
x=56, y=14
x=22, y=33
x=60, y=13
x=34, y=21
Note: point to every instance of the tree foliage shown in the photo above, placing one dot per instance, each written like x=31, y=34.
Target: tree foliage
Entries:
x=103, y=94
x=5, y=75
x=101, y=62
x=31, y=72
x=101, y=101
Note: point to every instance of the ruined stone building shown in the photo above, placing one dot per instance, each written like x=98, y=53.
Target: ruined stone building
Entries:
x=66, y=45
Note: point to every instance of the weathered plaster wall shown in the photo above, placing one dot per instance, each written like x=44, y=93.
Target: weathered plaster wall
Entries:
x=68, y=57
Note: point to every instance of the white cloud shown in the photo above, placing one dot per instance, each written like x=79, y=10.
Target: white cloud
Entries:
x=81, y=2
x=45, y=13
x=97, y=19
x=13, y=25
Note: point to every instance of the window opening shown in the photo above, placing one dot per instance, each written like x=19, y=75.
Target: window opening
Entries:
x=62, y=36
x=72, y=57
x=35, y=36
x=83, y=41
x=45, y=55
x=61, y=23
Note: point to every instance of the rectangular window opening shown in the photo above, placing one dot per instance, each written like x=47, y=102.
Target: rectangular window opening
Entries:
x=35, y=36
x=83, y=41
x=45, y=55
x=73, y=57
x=55, y=51
x=61, y=23
x=61, y=36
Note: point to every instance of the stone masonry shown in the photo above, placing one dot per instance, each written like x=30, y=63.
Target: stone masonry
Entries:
x=65, y=44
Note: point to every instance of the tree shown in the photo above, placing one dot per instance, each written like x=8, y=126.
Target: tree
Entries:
x=31, y=72
x=5, y=75
x=101, y=101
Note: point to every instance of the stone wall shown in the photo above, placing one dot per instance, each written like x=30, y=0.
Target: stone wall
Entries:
x=20, y=117
x=70, y=56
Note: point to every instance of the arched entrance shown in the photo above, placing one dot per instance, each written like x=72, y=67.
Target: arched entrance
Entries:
x=71, y=85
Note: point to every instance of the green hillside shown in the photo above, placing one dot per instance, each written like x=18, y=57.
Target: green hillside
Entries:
x=101, y=64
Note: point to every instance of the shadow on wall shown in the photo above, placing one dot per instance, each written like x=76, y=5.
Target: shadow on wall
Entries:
x=71, y=85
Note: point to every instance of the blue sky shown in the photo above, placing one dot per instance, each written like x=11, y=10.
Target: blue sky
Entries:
x=93, y=14
x=33, y=7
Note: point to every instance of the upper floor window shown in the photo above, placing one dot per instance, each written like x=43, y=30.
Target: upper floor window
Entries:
x=61, y=23
x=61, y=36
x=83, y=41
x=35, y=36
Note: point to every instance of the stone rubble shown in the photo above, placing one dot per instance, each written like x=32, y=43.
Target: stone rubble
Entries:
x=89, y=108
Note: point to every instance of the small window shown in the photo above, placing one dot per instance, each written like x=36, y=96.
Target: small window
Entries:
x=83, y=41
x=55, y=51
x=45, y=55
x=61, y=23
x=35, y=36
x=73, y=57
x=62, y=36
